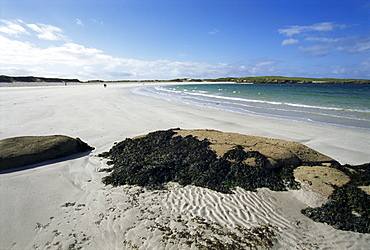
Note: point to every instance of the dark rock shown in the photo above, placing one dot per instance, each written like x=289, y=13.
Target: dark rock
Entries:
x=21, y=151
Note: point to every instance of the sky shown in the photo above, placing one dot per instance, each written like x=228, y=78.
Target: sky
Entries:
x=168, y=39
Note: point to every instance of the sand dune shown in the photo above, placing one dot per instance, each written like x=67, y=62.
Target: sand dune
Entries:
x=64, y=204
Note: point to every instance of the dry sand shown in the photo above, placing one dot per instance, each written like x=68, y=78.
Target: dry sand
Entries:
x=64, y=205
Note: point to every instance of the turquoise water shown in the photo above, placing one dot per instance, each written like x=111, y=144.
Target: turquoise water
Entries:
x=345, y=105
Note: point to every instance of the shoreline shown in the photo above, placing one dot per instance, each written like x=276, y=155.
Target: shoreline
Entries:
x=64, y=204
x=292, y=111
x=323, y=138
x=257, y=79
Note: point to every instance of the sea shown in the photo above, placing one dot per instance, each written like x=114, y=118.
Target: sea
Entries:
x=343, y=105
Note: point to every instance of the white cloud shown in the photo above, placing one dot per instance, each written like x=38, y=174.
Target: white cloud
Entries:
x=324, y=26
x=360, y=70
x=77, y=61
x=317, y=46
x=263, y=67
x=365, y=66
x=350, y=44
x=79, y=22
x=317, y=50
x=290, y=41
x=97, y=20
x=74, y=60
x=213, y=32
x=18, y=27
x=47, y=32
x=356, y=45
x=12, y=28
x=265, y=63
x=323, y=39
x=338, y=70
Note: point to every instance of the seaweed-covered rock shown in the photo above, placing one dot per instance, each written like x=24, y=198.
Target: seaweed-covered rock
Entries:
x=277, y=152
x=162, y=156
x=25, y=150
x=349, y=207
x=321, y=179
x=222, y=161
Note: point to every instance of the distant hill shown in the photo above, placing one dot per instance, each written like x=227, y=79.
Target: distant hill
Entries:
x=258, y=79
x=264, y=79
x=33, y=79
x=282, y=79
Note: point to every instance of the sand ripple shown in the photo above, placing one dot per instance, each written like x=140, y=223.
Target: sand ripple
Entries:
x=129, y=217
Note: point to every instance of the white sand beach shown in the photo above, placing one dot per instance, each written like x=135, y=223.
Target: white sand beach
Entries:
x=64, y=205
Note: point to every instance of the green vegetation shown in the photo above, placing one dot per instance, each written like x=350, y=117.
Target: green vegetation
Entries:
x=33, y=79
x=263, y=79
x=282, y=79
x=257, y=79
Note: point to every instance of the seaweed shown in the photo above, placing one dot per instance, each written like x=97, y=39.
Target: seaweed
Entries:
x=161, y=157
x=197, y=235
x=349, y=208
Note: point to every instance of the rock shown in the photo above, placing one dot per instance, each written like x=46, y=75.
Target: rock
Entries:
x=227, y=160
x=366, y=189
x=278, y=152
x=21, y=151
x=321, y=179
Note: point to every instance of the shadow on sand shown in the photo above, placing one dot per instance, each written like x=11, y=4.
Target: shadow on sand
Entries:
x=45, y=163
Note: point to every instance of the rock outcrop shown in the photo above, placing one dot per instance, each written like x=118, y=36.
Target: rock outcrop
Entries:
x=278, y=152
x=21, y=151
x=321, y=179
x=208, y=158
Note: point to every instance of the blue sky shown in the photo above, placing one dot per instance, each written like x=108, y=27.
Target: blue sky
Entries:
x=167, y=39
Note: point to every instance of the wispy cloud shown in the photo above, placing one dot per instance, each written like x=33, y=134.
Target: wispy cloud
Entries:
x=356, y=45
x=75, y=60
x=365, y=66
x=290, y=41
x=323, y=39
x=317, y=50
x=314, y=45
x=19, y=27
x=79, y=22
x=47, y=32
x=262, y=66
x=72, y=60
x=69, y=59
x=349, y=45
x=362, y=69
x=12, y=28
x=324, y=26
x=213, y=32
x=97, y=20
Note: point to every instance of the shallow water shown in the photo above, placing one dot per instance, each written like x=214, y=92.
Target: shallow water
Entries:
x=345, y=105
